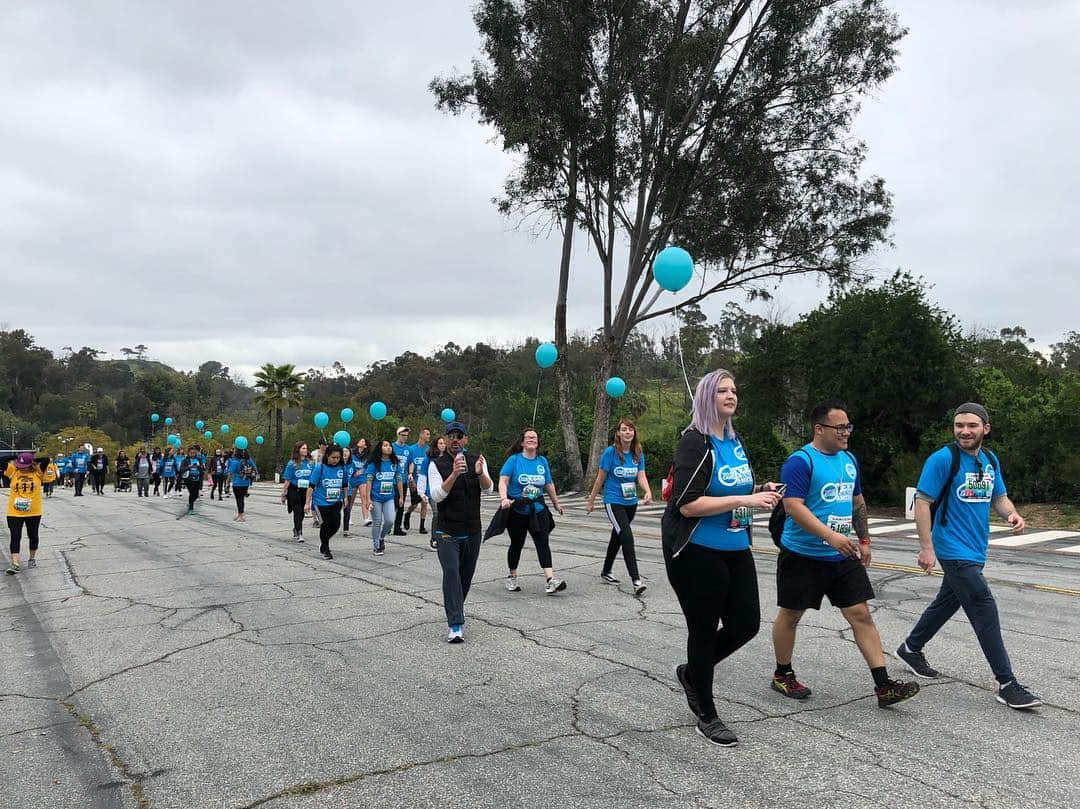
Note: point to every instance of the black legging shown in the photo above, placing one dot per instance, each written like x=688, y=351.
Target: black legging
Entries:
x=157, y=484
x=218, y=485
x=15, y=526
x=517, y=526
x=99, y=481
x=296, y=498
x=193, y=489
x=169, y=482
x=240, y=492
x=713, y=587
x=621, y=536
x=331, y=521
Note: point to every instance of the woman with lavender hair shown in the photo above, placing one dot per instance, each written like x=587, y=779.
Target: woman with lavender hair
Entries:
x=706, y=540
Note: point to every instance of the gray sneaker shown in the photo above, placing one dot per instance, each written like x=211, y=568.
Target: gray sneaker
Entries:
x=512, y=584
x=12, y=569
x=1016, y=696
x=31, y=563
x=717, y=732
x=554, y=586
x=916, y=662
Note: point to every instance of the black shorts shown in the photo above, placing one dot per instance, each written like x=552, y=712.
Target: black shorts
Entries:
x=801, y=582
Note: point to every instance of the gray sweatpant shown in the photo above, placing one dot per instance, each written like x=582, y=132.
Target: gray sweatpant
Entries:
x=458, y=559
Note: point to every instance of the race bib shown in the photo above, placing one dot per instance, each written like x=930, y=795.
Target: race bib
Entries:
x=741, y=518
x=22, y=503
x=333, y=492
x=975, y=490
x=841, y=525
x=530, y=492
x=386, y=487
x=629, y=490
x=301, y=483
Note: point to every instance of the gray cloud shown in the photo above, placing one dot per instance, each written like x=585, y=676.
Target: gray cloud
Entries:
x=255, y=182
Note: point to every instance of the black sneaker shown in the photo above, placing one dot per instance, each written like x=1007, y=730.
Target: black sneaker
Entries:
x=895, y=691
x=717, y=733
x=400, y=533
x=1016, y=696
x=327, y=555
x=916, y=662
x=691, y=695
x=610, y=579
x=423, y=530
x=382, y=547
x=378, y=551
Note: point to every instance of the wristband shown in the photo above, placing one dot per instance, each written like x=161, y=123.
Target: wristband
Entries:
x=864, y=541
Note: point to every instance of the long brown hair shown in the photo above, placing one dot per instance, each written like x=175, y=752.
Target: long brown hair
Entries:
x=296, y=451
x=635, y=445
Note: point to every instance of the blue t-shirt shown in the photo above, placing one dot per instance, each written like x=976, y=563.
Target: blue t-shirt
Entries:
x=620, y=481
x=194, y=469
x=527, y=479
x=79, y=462
x=402, y=452
x=828, y=495
x=328, y=484
x=297, y=474
x=384, y=478
x=168, y=467
x=732, y=477
x=420, y=460
x=357, y=472
x=966, y=533
x=235, y=465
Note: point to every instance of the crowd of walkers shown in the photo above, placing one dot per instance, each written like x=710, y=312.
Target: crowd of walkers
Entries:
x=819, y=521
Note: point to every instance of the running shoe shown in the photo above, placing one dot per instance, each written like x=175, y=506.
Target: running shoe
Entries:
x=31, y=563
x=455, y=635
x=382, y=547
x=367, y=522
x=423, y=530
x=916, y=662
x=790, y=687
x=554, y=586
x=12, y=569
x=512, y=584
x=717, y=732
x=1016, y=696
x=346, y=534
x=609, y=578
x=434, y=543
x=682, y=674
x=399, y=533
x=326, y=555
x=378, y=551
x=895, y=691
x=640, y=587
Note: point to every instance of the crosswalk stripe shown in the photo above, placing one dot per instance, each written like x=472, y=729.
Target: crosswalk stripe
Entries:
x=1032, y=539
x=1070, y=549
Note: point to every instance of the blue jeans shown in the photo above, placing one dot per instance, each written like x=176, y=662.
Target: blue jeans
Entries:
x=964, y=586
x=382, y=520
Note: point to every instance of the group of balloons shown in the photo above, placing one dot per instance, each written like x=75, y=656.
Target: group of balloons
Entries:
x=240, y=442
x=377, y=411
x=672, y=269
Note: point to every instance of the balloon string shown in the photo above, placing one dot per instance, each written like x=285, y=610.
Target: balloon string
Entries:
x=682, y=362
x=536, y=401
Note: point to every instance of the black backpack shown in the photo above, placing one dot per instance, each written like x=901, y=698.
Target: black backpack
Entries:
x=942, y=501
x=779, y=513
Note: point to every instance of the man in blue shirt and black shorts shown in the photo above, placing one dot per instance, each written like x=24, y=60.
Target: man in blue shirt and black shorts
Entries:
x=825, y=550
x=958, y=485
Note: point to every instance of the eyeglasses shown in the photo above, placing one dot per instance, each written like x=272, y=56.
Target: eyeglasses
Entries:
x=840, y=428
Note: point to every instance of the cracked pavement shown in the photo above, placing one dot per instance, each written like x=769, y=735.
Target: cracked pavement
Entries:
x=156, y=662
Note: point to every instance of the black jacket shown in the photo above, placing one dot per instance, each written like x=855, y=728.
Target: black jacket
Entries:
x=540, y=522
x=459, y=511
x=693, y=471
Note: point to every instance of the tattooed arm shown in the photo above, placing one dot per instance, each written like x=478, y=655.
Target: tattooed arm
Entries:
x=860, y=518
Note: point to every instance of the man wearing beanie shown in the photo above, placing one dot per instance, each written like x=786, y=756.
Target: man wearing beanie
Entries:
x=958, y=485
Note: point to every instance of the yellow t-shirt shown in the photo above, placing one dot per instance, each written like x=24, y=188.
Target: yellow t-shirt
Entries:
x=24, y=497
x=52, y=472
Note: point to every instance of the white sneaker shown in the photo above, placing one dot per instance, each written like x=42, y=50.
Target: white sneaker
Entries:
x=554, y=586
x=640, y=587
x=455, y=635
x=367, y=522
x=512, y=584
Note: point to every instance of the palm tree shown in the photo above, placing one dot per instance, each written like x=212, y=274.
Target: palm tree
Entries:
x=282, y=387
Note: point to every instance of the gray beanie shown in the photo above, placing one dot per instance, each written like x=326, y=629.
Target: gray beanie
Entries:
x=975, y=409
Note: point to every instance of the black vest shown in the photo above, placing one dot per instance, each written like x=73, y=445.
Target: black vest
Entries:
x=459, y=513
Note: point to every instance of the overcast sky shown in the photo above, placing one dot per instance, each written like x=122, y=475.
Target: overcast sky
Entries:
x=264, y=181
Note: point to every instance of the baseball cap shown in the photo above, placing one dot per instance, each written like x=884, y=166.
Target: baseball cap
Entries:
x=456, y=425
x=402, y=429
x=24, y=460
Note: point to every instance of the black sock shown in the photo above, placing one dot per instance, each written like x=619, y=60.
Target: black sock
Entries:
x=421, y=523
x=881, y=677
x=783, y=669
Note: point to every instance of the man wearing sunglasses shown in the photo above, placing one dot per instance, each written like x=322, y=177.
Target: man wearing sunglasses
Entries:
x=825, y=550
x=958, y=485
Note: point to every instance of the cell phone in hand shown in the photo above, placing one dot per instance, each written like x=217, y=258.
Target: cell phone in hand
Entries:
x=781, y=488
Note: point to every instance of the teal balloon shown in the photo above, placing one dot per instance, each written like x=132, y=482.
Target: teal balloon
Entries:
x=224, y=428
x=199, y=424
x=342, y=438
x=321, y=420
x=173, y=439
x=240, y=442
x=615, y=387
x=448, y=414
x=673, y=268
x=154, y=417
x=377, y=411
x=546, y=354
x=346, y=414
x=208, y=434
x=168, y=421
x=258, y=439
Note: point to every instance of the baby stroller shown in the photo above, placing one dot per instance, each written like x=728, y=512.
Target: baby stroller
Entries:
x=123, y=476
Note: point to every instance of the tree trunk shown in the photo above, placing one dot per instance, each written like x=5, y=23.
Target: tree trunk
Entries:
x=601, y=411
x=562, y=371
x=277, y=435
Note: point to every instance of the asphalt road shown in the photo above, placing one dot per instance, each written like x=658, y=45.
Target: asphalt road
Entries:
x=151, y=661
